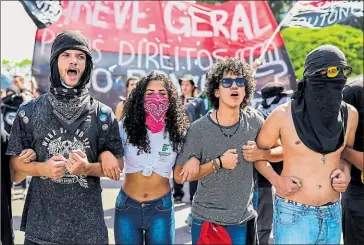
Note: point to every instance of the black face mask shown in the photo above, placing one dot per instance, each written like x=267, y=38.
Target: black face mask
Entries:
x=275, y=101
x=325, y=96
x=318, y=113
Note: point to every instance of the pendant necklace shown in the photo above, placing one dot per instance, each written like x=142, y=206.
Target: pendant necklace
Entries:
x=323, y=159
x=227, y=135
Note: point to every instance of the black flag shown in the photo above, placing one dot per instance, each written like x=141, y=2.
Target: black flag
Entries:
x=43, y=13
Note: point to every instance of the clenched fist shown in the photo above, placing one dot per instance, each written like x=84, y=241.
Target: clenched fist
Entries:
x=287, y=185
x=230, y=159
x=55, y=167
x=251, y=152
x=77, y=162
x=339, y=180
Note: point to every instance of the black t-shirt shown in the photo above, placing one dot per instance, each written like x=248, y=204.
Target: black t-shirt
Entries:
x=6, y=215
x=353, y=95
x=9, y=107
x=69, y=210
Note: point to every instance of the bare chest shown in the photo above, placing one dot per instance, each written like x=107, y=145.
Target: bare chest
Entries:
x=294, y=146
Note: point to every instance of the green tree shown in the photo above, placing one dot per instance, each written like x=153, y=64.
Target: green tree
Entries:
x=13, y=67
x=300, y=41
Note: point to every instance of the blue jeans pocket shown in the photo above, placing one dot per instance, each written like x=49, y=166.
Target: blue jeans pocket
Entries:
x=336, y=214
x=167, y=204
x=121, y=202
x=287, y=215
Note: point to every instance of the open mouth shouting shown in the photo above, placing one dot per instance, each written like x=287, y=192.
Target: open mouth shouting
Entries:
x=72, y=74
x=235, y=94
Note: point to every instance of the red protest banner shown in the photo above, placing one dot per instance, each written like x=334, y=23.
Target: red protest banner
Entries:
x=176, y=37
x=177, y=25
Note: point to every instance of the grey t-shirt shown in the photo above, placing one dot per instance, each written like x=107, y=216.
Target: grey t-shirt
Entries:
x=69, y=210
x=224, y=197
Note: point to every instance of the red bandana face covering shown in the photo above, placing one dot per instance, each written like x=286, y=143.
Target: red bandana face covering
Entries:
x=156, y=107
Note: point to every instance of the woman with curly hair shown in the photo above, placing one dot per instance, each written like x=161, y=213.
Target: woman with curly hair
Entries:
x=152, y=129
x=225, y=189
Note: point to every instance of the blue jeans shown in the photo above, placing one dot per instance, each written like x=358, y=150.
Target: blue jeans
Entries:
x=295, y=223
x=263, y=204
x=133, y=218
x=237, y=232
x=256, y=197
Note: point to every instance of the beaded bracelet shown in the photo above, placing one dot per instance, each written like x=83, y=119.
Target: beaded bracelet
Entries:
x=213, y=166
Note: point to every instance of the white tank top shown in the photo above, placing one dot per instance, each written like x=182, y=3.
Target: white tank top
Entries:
x=161, y=159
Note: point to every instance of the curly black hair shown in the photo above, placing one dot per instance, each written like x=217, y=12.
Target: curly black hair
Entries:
x=216, y=73
x=134, y=115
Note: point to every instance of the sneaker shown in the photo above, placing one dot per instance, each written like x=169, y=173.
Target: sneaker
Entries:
x=177, y=200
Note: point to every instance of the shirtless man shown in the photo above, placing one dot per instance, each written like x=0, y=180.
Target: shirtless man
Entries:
x=314, y=129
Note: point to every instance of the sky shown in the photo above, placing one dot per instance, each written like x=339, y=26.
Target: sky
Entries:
x=17, y=32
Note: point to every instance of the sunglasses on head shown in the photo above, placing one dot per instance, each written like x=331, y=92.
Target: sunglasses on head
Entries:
x=334, y=71
x=228, y=82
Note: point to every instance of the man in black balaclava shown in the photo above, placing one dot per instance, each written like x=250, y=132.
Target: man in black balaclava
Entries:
x=64, y=127
x=314, y=128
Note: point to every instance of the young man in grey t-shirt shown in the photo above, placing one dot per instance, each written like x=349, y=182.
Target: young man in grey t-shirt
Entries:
x=225, y=189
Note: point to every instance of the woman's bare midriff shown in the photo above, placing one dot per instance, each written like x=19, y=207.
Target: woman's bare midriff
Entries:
x=315, y=179
x=145, y=188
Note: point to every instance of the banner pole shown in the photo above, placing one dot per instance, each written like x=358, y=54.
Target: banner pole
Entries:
x=276, y=31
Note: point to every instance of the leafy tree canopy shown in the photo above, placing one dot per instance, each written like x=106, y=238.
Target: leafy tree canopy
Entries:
x=13, y=67
x=300, y=41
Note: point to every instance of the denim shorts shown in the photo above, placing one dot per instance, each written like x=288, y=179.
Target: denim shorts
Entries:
x=149, y=221
x=296, y=223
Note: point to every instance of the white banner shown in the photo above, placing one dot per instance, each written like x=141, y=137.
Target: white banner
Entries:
x=317, y=14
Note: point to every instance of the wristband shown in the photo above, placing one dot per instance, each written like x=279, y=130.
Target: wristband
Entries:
x=220, y=162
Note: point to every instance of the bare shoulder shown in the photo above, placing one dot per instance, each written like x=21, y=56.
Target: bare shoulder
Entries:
x=352, y=125
x=352, y=112
x=284, y=108
x=353, y=115
x=281, y=112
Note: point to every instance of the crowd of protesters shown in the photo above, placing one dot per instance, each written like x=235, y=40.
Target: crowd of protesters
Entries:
x=293, y=166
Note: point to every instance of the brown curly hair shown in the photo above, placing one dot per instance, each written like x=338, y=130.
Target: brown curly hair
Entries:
x=229, y=65
x=134, y=115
